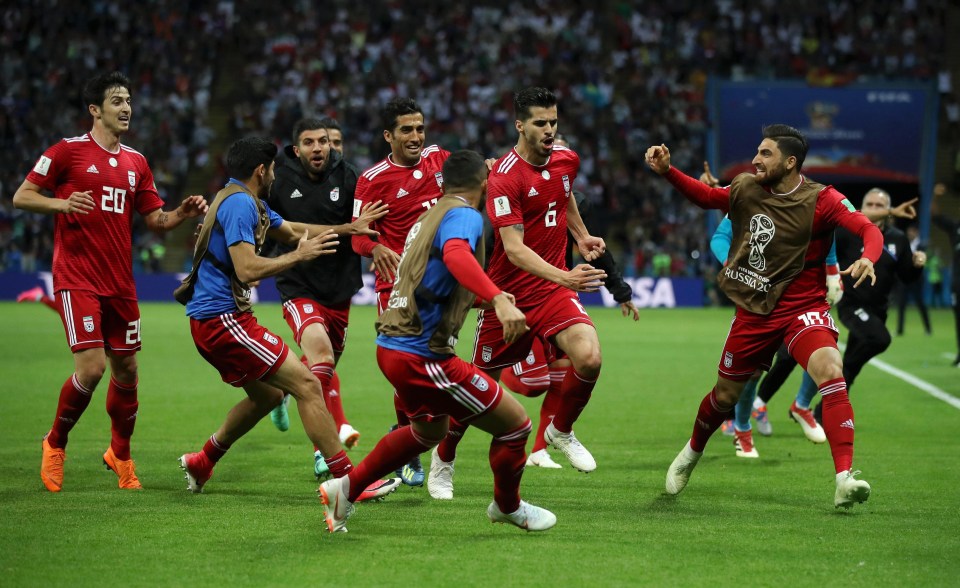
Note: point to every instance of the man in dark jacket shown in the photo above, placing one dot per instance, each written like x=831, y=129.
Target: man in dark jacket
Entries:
x=314, y=184
x=864, y=310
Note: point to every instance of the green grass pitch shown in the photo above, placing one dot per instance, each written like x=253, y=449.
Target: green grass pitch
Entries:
x=760, y=522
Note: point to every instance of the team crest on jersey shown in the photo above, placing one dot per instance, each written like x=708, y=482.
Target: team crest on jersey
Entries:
x=308, y=308
x=270, y=339
x=566, y=183
x=479, y=382
x=531, y=358
x=439, y=178
x=132, y=178
x=486, y=353
x=727, y=359
x=88, y=324
x=335, y=194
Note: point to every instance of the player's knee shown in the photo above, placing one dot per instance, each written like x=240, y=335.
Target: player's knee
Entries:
x=124, y=369
x=91, y=372
x=589, y=364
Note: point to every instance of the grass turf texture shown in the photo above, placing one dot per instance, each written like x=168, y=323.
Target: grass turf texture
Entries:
x=767, y=521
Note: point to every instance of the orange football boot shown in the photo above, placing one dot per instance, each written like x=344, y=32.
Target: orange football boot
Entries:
x=125, y=470
x=51, y=466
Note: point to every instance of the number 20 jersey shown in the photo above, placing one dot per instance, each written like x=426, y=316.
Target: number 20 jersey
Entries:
x=94, y=251
x=535, y=196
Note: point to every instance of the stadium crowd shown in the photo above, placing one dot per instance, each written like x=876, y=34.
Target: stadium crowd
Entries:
x=628, y=74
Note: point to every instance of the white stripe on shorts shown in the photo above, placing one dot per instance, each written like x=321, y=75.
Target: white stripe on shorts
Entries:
x=246, y=340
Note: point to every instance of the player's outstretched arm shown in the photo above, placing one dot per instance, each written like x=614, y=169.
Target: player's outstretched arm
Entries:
x=161, y=220
x=360, y=226
x=250, y=267
x=29, y=197
x=697, y=192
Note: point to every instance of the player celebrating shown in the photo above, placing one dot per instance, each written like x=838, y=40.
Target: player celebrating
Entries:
x=439, y=278
x=531, y=207
x=409, y=181
x=782, y=226
x=97, y=184
x=314, y=185
x=217, y=296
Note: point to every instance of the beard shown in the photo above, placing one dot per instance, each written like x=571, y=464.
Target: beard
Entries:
x=773, y=176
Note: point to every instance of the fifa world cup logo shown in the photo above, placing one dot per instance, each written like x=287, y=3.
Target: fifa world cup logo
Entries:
x=761, y=233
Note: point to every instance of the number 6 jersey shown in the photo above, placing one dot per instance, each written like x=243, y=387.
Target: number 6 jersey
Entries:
x=94, y=251
x=535, y=196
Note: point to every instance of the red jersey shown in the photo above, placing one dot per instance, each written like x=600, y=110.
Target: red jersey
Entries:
x=536, y=196
x=94, y=251
x=408, y=190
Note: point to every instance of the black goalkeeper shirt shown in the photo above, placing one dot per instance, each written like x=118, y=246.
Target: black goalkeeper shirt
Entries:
x=328, y=279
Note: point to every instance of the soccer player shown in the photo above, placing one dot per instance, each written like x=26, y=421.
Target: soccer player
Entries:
x=531, y=207
x=537, y=374
x=739, y=426
x=217, y=297
x=782, y=223
x=864, y=310
x=97, y=183
x=315, y=185
x=409, y=182
x=439, y=278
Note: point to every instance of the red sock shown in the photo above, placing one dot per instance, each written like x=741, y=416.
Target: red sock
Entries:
x=331, y=396
x=337, y=398
x=530, y=383
x=402, y=420
x=122, y=407
x=574, y=396
x=838, y=422
x=394, y=450
x=507, y=459
x=74, y=399
x=709, y=418
x=340, y=465
x=447, y=450
x=548, y=410
x=49, y=303
x=214, y=449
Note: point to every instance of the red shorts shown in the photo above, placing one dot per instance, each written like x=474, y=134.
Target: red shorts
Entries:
x=753, y=339
x=431, y=388
x=555, y=313
x=240, y=349
x=300, y=312
x=92, y=321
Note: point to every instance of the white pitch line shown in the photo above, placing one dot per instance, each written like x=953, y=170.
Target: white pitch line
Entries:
x=923, y=385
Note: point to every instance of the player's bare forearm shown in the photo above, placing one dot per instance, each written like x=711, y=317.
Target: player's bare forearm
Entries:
x=251, y=267
x=525, y=258
x=160, y=220
x=29, y=197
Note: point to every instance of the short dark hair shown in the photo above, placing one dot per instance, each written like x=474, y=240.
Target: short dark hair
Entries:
x=396, y=108
x=330, y=123
x=789, y=140
x=95, y=89
x=527, y=98
x=464, y=169
x=246, y=154
x=306, y=124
